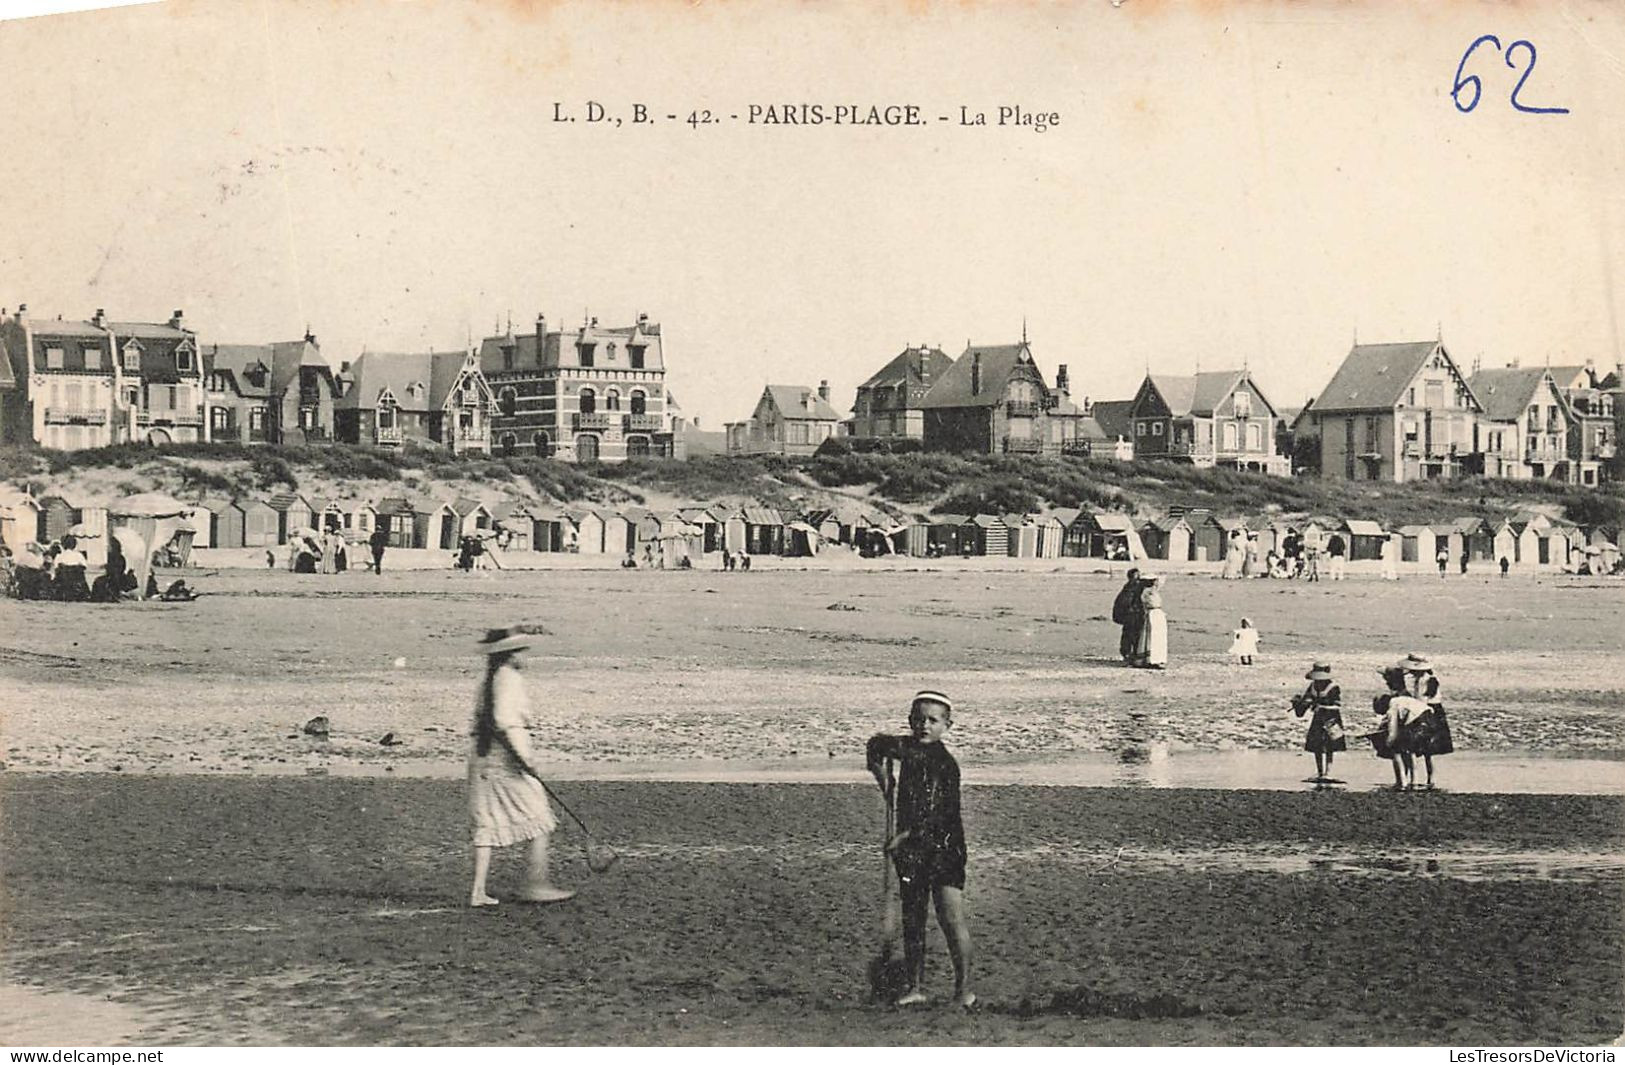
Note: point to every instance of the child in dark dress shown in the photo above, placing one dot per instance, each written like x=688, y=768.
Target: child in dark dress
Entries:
x=929, y=847
x=1323, y=701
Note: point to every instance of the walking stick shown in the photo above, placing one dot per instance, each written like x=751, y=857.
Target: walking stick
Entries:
x=887, y=971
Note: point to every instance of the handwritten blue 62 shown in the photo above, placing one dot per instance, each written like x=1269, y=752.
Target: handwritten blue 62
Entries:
x=1478, y=86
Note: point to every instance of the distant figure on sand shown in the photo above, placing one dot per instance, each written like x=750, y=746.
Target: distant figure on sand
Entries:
x=378, y=541
x=506, y=800
x=1126, y=612
x=1233, y=551
x=1336, y=552
x=929, y=847
x=1151, y=650
x=1323, y=702
x=1443, y=558
x=1244, y=643
x=1506, y=564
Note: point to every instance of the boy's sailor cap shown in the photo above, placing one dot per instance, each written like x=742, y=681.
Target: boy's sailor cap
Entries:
x=928, y=696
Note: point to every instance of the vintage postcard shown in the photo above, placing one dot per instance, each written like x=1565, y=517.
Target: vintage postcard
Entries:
x=771, y=523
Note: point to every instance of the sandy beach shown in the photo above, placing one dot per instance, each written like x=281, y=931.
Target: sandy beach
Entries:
x=182, y=857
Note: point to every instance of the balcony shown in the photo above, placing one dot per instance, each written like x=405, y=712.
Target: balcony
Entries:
x=1544, y=453
x=1078, y=447
x=167, y=418
x=75, y=416
x=389, y=435
x=640, y=423
x=1022, y=408
x=1023, y=445
x=1183, y=450
x=473, y=432
x=591, y=421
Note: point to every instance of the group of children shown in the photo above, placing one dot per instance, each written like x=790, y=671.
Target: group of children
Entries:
x=1410, y=720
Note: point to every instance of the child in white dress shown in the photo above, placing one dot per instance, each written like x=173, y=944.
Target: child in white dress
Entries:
x=1244, y=643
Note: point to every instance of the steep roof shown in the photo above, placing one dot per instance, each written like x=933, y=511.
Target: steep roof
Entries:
x=237, y=360
x=1506, y=392
x=998, y=362
x=1374, y=376
x=913, y=366
x=375, y=371
x=7, y=378
x=1114, y=419
x=798, y=403
x=287, y=356
x=1200, y=394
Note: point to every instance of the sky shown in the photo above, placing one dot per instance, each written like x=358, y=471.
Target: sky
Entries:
x=1229, y=184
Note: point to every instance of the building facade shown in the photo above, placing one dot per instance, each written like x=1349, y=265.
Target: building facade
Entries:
x=1594, y=438
x=1220, y=418
x=594, y=394
x=434, y=399
x=92, y=383
x=279, y=393
x=994, y=400
x=888, y=404
x=788, y=420
x=1397, y=412
x=1526, y=428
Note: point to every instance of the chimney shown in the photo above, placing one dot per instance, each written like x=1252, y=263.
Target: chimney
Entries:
x=823, y=391
x=100, y=321
x=975, y=373
x=175, y=319
x=310, y=338
x=22, y=313
x=643, y=320
x=1060, y=379
x=593, y=324
x=1591, y=372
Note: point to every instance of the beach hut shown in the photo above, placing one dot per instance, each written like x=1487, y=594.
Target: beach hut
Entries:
x=329, y=514
x=1207, y=536
x=1023, y=535
x=292, y=512
x=1477, y=537
x=201, y=519
x=1504, y=541
x=1167, y=538
x=677, y=541
x=57, y=514
x=1051, y=533
x=397, y=514
x=1417, y=543
x=943, y=533
x=361, y=520
x=992, y=535
x=1602, y=548
x=589, y=530
x=473, y=516
x=710, y=527
x=1111, y=536
x=512, y=522
x=1316, y=530
x=619, y=535
x=764, y=531
x=19, y=519
x=830, y=526
x=552, y=530
x=1451, y=539
x=259, y=523
x=916, y=536
x=1365, y=539
x=436, y=526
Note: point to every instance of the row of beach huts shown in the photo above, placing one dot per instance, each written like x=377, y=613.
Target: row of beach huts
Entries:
x=1526, y=541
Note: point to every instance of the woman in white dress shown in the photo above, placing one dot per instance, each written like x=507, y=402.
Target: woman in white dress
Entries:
x=1156, y=623
x=1234, y=550
x=506, y=800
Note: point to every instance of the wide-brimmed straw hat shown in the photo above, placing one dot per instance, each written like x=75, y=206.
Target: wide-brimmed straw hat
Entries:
x=1319, y=671
x=1415, y=663
x=512, y=638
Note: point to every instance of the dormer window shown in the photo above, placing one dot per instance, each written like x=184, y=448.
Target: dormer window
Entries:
x=183, y=356
x=415, y=390
x=132, y=357
x=584, y=352
x=634, y=352
x=93, y=356
x=507, y=358
x=386, y=410
x=54, y=359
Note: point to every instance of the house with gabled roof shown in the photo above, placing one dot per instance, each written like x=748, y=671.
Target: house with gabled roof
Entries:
x=1397, y=412
x=994, y=400
x=1594, y=429
x=97, y=382
x=435, y=398
x=1526, y=422
x=1218, y=418
x=788, y=420
x=592, y=394
x=888, y=403
x=280, y=393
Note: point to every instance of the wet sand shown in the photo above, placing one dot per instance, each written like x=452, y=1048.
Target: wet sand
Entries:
x=172, y=840
x=288, y=911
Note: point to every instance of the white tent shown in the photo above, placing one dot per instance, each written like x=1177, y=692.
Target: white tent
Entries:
x=146, y=524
